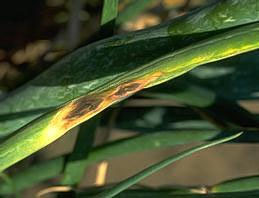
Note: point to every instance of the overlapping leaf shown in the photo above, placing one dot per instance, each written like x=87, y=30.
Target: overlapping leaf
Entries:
x=140, y=143
x=95, y=65
x=106, y=72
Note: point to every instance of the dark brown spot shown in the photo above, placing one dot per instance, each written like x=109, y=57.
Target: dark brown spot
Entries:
x=83, y=106
x=126, y=89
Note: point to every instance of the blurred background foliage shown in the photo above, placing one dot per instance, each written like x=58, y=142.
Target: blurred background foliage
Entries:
x=35, y=34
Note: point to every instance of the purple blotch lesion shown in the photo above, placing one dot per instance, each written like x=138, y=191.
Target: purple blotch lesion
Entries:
x=84, y=105
x=127, y=89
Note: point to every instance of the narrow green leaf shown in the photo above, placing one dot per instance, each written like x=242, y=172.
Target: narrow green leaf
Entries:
x=77, y=160
x=185, y=91
x=54, y=167
x=154, y=168
x=109, y=14
x=115, y=56
x=139, y=192
x=53, y=125
x=149, y=142
x=218, y=109
x=8, y=182
x=231, y=78
x=242, y=184
x=168, y=194
x=159, y=118
x=132, y=10
x=220, y=15
x=33, y=175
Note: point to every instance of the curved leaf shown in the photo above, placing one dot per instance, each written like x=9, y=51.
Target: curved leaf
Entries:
x=56, y=123
x=242, y=184
x=154, y=168
x=140, y=143
x=99, y=63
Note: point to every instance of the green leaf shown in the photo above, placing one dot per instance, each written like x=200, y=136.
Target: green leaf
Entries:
x=109, y=14
x=33, y=175
x=220, y=15
x=148, y=142
x=218, y=109
x=242, y=184
x=115, y=56
x=140, y=143
x=154, y=168
x=132, y=10
x=185, y=91
x=171, y=194
x=77, y=160
x=125, y=81
x=231, y=78
x=139, y=192
x=160, y=119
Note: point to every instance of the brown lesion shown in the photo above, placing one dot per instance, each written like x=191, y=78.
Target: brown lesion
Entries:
x=79, y=109
x=87, y=104
x=127, y=89
x=84, y=108
x=84, y=105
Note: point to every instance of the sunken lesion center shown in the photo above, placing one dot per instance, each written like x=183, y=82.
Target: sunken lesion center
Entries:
x=84, y=105
x=126, y=89
x=89, y=104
